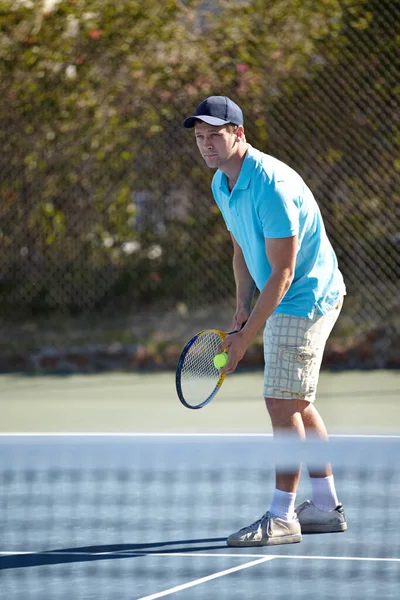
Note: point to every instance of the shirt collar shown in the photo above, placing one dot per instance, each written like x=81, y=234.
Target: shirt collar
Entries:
x=245, y=174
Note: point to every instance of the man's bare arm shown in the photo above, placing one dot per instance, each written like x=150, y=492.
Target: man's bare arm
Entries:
x=244, y=287
x=281, y=254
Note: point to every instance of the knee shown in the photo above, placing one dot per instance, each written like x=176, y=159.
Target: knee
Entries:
x=281, y=412
x=285, y=415
x=273, y=405
x=278, y=405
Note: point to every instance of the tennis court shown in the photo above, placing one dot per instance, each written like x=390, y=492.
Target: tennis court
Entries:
x=143, y=517
x=112, y=489
x=350, y=402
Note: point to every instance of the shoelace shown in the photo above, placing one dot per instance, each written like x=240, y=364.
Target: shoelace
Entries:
x=256, y=524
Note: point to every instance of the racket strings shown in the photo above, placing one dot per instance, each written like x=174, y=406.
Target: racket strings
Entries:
x=199, y=376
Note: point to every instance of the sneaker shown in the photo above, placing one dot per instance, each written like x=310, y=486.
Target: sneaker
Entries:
x=267, y=531
x=314, y=520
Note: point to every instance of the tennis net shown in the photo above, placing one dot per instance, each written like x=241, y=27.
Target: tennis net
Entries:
x=145, y=517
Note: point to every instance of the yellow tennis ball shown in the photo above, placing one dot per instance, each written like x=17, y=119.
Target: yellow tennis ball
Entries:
x=220, y=360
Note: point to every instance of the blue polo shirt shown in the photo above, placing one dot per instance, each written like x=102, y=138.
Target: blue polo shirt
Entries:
x=270, y=200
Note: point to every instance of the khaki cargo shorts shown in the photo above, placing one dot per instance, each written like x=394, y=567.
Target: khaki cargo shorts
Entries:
x=293, y=351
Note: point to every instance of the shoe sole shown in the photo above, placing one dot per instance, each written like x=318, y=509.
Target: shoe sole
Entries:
x=315, y=528
x=288, y=539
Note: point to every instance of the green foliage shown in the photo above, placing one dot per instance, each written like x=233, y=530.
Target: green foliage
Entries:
x=97, y=171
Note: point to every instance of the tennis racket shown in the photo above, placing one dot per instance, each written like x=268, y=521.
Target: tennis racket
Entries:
x=197, y=379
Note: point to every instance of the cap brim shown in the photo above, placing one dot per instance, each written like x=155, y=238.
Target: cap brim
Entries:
x=191, y=121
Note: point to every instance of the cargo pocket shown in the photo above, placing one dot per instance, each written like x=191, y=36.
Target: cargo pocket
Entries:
x=296, y=370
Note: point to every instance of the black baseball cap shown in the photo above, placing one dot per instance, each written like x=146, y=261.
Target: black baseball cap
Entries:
x=216, y=110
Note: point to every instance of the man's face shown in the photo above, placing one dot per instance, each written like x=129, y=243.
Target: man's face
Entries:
x=216, y=143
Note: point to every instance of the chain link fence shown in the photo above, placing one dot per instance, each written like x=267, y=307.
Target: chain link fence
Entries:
x=110, y=217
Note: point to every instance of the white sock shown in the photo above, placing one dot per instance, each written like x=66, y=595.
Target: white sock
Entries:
x=283, y=505
x=324, y=494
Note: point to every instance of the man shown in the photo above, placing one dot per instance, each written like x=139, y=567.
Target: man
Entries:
x=279, y=246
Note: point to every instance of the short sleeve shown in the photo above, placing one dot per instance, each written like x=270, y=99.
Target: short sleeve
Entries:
x=279, y=211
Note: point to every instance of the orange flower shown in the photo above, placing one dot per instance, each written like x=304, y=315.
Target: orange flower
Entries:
x=29, y=41
x=95, y=34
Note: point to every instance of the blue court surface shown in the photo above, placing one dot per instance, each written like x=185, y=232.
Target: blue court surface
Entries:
x=145, y=517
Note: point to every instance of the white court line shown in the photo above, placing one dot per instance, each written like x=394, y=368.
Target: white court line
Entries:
x=260, y=559
x=133, y=552
x=356, y=558
x=268, y=556
x=190, y=584
x=178, y=435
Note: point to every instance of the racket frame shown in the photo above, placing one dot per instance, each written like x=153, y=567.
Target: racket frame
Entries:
x=181, y=361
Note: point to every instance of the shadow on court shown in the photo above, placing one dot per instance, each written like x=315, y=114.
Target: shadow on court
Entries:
x=106, y=552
